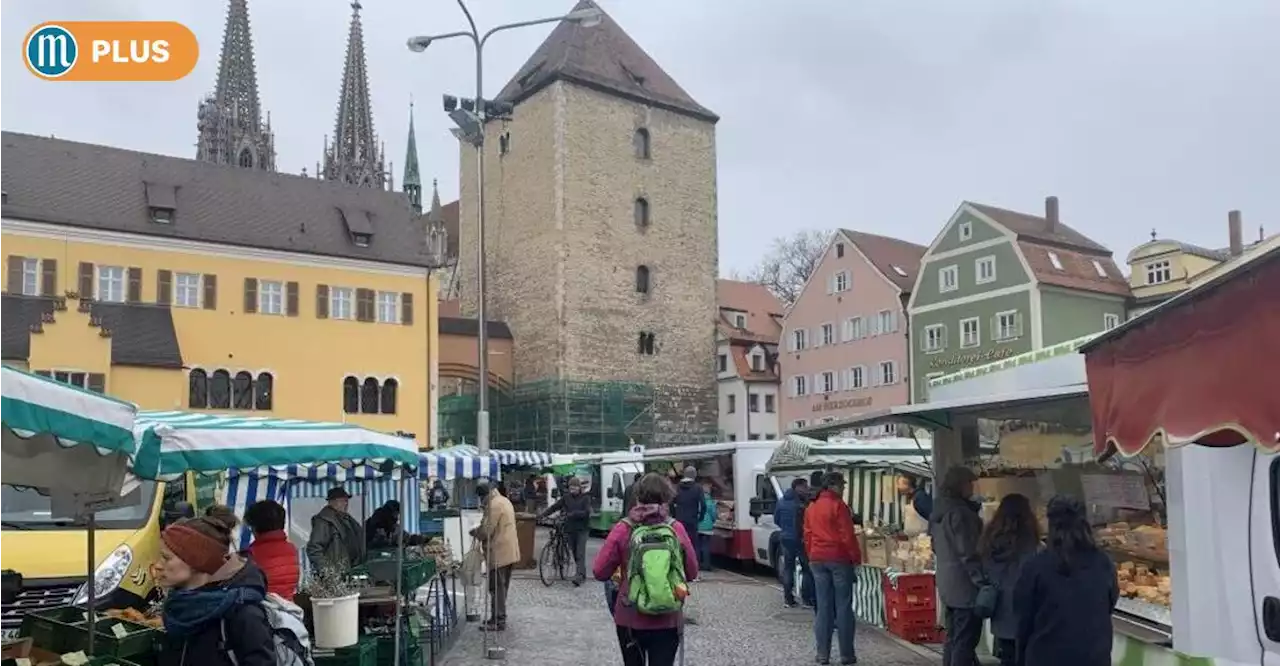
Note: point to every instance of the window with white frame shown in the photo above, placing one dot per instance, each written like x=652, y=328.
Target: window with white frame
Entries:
x=1110, y=321
x=739, y=320
x=799, y=385
x=935, y=338
x=948, y=278
x=857, y=377
x=985, y=270
x=855, y=328
x=827, y=335
x=389, y=307
x=111, y=284
x=888, y=372
x=1054, y=259
x=31, y=277
x=966, y=231
x=886, y=321
x=1159, y=272
x=799, y=339
x=1099, y=268
x=341, y=303
x=1008, y=325
x=187, y=290
x=270, y=297
x=796, y=425
x=841, y=282
x=828, y=384
x=970, y=332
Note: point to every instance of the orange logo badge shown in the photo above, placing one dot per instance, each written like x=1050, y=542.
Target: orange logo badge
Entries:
x=111, y=51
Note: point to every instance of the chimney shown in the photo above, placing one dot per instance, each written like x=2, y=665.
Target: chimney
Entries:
x=1051, y=213
x=1236, y=233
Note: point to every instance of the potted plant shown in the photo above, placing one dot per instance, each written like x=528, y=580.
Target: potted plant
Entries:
x=335, y=608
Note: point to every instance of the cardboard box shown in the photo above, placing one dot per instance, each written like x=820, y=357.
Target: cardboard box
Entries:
x=875, y=551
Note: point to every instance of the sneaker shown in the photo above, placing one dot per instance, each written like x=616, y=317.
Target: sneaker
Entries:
x=822, y=660
x=789, y=604
x=848, y=662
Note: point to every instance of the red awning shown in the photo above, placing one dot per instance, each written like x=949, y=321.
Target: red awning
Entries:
x=1204, y=368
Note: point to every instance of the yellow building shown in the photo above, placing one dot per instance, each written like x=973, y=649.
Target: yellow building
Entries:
x=179, y=284
x=1161, y=268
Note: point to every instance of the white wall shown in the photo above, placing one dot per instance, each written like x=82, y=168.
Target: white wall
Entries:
x=763, y=424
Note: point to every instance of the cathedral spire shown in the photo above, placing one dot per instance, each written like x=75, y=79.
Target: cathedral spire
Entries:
x=230, y=118
x=354, y=156
x=412, y=181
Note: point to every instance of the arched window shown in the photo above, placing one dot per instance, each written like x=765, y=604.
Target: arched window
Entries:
x=641, y=143
x=198, y=389
x=642, y=279
x=351, y=395
x=369, y=391
x=246, y=158
x=220, y=390
x=389, y=389
x=642, y=212
x=242, y=391
x=262, y=391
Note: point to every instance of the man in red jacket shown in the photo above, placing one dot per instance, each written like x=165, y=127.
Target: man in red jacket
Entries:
x=833, y=554
x=271, y=549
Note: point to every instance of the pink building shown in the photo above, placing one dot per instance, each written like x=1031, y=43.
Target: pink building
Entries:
x=844, y=342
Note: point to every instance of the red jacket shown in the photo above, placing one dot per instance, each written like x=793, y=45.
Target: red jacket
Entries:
x=278, y=559
x=828, y=531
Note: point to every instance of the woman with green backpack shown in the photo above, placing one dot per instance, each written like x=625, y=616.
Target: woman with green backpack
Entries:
x=656, y=559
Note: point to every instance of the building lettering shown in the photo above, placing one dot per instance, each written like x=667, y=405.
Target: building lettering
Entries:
x=829, y=405
x=971, y=358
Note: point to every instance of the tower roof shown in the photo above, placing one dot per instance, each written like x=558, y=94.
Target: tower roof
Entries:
x=230, y=125
x=603, y=57
x=354, y=156
x=411, y=175
x=237, y=85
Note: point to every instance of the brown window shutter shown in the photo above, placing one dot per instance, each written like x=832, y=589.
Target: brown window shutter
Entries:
x=97, y=382
x=164, y=287
x=44, y=373
x=85, y=285
x=210, y=291
x=322, y=301
x=135, y=285
x=15, y=274
x=406, y=309
x=250, y=295
x=364, y=305
x=49, y=277
x=291, y=299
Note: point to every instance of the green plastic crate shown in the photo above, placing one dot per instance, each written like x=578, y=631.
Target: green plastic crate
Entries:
x=381, y=570
x=54, y=629
x=139, y=643
x=387, y=651
x=363, y=653
x=109, y=661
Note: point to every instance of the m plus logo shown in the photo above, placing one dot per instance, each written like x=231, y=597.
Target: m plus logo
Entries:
x=111, y=51
x=51, y=51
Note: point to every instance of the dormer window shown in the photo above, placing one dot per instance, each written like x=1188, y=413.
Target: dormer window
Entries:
x=361, y=240
x=358, y=226
x=739, y=320
x=757, y=363
x=161, y=215
x=161, y=202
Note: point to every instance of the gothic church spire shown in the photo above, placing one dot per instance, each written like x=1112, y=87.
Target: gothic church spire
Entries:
x=230, y=118
x=355, y=156
x=412, y=181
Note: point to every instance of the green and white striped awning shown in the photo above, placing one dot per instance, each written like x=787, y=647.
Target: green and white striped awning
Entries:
x=172, y=443
x=39, y=407
x=805, y=453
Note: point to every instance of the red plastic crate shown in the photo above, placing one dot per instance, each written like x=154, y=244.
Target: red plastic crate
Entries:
x=913, y=591
x=918, y=634
x=923, y=617
x=909, y=602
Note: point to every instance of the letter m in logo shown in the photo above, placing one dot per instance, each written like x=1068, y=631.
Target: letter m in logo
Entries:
x=51, y=51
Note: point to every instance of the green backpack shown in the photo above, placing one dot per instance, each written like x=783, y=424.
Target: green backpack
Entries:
x=655, y=568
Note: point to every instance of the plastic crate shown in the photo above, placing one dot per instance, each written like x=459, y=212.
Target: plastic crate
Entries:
x=911, y=591
x=909, y=602
x=363, y=653
x=54, y=629
x=917, y=634
x=138, y=642
x=381, y=570
x=409, y=647
x=108, y=661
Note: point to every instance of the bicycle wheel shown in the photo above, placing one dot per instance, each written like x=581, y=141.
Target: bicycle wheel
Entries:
x=563, y=557
x=545, y=563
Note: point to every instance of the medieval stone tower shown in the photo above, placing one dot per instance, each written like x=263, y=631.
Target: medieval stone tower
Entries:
x=230, y=124
x=601, y=225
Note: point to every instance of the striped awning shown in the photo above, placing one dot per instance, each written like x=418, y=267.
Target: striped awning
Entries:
x=465, y=462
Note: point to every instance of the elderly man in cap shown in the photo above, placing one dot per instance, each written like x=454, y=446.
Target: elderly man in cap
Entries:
x=575, y=507
x=336, y=538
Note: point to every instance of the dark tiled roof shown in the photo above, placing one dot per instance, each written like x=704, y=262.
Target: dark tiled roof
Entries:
x=1077, y=272
x=85, y=185
x=603, y=57
x=17, y=315
x=140, y=334
x=469, y=327
x=889, y=255
x=1031, y=227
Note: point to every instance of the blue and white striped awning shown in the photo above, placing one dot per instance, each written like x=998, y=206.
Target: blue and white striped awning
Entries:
x=465, y=462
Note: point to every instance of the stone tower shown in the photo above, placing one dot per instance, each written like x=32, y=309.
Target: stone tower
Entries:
x=601, y=223
x=412, y=181
x=230, y=118
x=354, y=156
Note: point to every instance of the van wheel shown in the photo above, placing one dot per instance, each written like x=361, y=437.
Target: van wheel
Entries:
x=774, y=559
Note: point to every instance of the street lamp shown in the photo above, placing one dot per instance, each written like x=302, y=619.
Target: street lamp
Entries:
x=470, y=129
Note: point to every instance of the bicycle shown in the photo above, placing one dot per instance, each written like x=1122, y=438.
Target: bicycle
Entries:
x=555, y=554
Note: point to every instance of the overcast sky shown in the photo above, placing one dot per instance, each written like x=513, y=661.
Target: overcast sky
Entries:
x=874, y=115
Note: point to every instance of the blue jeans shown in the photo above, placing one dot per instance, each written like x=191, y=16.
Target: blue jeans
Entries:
x=791, y=553
x=834, y=584
x=703, y=542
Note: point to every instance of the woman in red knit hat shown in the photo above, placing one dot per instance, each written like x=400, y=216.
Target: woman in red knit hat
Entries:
x=271, y=549
x=213, y=614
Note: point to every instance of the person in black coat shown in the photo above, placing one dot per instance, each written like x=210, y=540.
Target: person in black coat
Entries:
x=575, y=508
x=1065, y=595
x=688, y=507
x=1009, y=541
x=213, y=614
x=382, y=529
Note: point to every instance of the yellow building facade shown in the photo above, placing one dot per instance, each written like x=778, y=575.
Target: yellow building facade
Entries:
x=218, y=289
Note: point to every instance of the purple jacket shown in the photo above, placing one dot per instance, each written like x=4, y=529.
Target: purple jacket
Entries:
x=614, y=554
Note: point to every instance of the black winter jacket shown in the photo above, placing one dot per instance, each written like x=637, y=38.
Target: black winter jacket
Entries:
x=1064, y=618
x=248, y=634
x=688, y=507
x=576, y=510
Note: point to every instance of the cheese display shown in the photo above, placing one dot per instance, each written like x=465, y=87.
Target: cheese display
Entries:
x=1142, y=560
x=911, y=554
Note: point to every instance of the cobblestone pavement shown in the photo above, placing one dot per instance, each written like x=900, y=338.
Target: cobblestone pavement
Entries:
x=740, y=621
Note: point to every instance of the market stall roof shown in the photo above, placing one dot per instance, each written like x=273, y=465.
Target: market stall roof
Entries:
x=465, y=462
x=1057, y=405
x=805, y=453
x=58, y=435
x=1200, y=367
x=699, y=451
x=171, y=443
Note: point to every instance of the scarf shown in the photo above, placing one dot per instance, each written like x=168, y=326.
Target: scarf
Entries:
x=186, y=611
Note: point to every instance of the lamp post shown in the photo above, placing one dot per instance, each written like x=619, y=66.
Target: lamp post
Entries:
x=471, y=130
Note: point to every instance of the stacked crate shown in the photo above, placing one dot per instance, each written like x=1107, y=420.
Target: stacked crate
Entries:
x=910, y=607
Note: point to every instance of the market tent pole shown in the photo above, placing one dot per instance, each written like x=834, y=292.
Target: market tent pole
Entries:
x=399, y=574
x=91, y=587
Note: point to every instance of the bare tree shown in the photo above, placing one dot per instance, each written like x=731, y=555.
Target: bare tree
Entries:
x=789, y=263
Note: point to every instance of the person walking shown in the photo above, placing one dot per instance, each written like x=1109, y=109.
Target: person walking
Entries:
x=336, y=538
x=1066, y=594
x=788, y=515
x=956, y=528
x=1009, y=541
x=706, y=526
x=497, y=533
x=629, y=495
x=688, y=507
x=833, y=555
x=271, y=549
x=649, y=631
x=575, y=507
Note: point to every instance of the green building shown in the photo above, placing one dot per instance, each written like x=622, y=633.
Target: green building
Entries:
x=996, y=283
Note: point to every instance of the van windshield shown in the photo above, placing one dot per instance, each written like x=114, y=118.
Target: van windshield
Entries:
x=27, y=508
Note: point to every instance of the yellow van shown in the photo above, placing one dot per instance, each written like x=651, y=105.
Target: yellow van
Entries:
x=45, y=560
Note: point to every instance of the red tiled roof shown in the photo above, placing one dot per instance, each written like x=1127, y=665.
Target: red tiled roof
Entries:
x=742, y=363
x=761, y=307
x=1077, y=272
x=1031, y=227
x=890, y=254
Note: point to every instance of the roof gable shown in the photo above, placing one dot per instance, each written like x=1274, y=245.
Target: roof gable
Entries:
x=1071, y=269
x=897, y=260
x=1031, y=227
x=603, y=57
x=761, y=307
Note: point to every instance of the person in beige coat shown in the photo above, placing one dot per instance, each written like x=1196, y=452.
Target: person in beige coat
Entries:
x=497, y=531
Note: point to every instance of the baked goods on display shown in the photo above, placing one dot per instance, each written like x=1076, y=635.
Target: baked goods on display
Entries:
x=1140, y=581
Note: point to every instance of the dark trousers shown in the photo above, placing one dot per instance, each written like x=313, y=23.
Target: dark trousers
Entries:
x=704, y=551
x=648, y=647
x=578, y=546
x=791, y=554
x=499, y=583
x=964, y=630
x=1007, y=651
